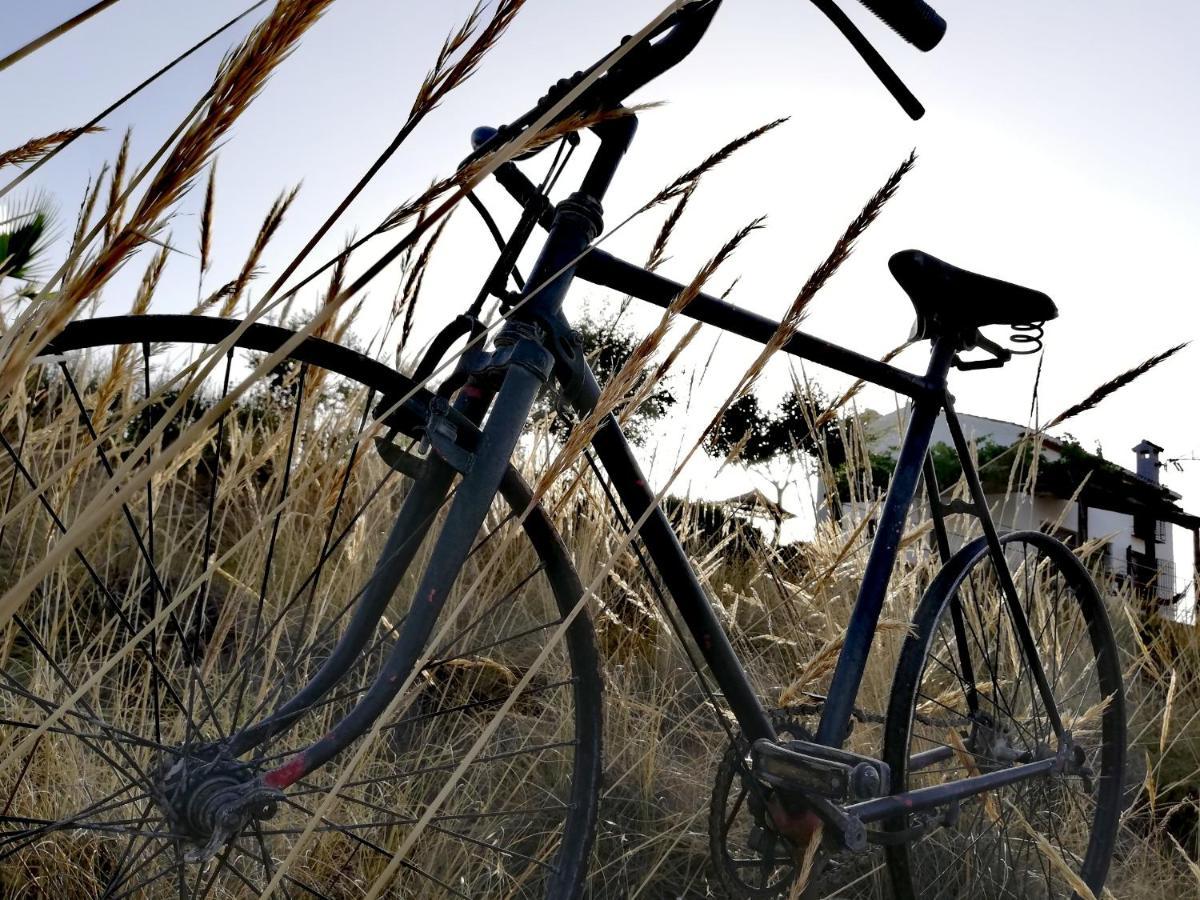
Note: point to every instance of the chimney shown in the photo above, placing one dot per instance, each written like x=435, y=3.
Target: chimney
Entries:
x=1147, y=460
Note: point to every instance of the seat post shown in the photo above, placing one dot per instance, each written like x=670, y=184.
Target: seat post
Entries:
x=941, y=360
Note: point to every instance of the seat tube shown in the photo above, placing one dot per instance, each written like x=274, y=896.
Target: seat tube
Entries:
x=864, y=618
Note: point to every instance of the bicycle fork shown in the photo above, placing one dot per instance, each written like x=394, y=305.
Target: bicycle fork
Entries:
x=525, y=369
x=224, y=795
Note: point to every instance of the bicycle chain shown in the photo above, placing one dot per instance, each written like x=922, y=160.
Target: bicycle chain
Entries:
x=867, y=718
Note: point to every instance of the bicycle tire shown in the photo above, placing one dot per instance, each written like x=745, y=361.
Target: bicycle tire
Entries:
x=998, y=849
x=106, y=852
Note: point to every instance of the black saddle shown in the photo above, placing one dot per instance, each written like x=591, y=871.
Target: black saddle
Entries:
x=954, y=302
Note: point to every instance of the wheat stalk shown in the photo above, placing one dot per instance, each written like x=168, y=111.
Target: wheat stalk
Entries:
x=1092, y=400
x=266, y=231
x=240, y=78
x=411, y=289
x=90, y=195
x=130, y=94
x=443, y=78
x=806, y=861
x=116, y=195
x=790, y=323
x=149, y=282
x=206, y=220
x=657, y=251
x=36, y=148
x=1167, y=709
x=220, y=294
x=129, y=482
x=691, y=176
x=631, y=371
x=853, y=391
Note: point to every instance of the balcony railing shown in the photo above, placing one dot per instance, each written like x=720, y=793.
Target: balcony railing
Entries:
x=1153, y=579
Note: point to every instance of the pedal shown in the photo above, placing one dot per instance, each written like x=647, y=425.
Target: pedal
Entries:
x=810, y=768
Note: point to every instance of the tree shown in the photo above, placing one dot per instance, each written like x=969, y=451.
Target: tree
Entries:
x=607, y=345
x=761, y=437
x=758, y=438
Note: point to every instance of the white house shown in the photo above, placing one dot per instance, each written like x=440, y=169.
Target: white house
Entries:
x=1131, y=510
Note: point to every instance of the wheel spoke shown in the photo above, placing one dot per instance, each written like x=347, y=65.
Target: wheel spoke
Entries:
x=1016, y=840
x=197, y=603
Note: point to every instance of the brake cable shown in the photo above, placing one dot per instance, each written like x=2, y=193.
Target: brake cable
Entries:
x=494, y=230
x=506, y=264
x=467, y=324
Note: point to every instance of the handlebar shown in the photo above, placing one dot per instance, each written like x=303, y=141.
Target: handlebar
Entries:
x=678, y=35
x=914, y=20
x=662, y=49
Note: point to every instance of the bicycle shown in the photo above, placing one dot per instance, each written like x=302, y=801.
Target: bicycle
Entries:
x=198, y=709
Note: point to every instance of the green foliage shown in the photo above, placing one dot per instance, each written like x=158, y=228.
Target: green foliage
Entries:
x=24, y=234
x=883, y=465
x=765, y=435
x=1059, y=477
x=1063, y=475
x=948, y=468
x=784, y=432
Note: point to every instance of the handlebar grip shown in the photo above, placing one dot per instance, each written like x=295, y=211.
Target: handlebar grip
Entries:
x=914, y=20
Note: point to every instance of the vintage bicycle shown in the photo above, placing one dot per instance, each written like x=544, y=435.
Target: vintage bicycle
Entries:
x=339, y=648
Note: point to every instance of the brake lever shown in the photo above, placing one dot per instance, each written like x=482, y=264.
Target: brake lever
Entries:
x=885, y=73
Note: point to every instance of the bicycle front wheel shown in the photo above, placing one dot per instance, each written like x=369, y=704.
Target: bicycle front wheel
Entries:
x=207, y=597
x=964, y=703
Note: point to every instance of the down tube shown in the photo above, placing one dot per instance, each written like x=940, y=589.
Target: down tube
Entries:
x=680, y=579
x=864, y=618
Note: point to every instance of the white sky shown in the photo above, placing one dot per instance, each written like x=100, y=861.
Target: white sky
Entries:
x=1059, y=151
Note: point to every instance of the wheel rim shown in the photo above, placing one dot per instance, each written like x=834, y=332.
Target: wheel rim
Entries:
x=1039, y=838
x=199, y=602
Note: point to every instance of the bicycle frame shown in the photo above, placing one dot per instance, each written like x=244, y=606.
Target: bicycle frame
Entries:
x=537, y=344
x=558, y=263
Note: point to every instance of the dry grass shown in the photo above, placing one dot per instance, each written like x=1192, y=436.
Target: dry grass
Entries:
x=36, y=148
x=241, y=77
x=785, y=608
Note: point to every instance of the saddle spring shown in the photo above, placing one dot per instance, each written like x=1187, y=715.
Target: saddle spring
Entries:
x=1027, y=333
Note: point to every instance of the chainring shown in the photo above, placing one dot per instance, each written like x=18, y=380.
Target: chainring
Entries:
x=750, y=858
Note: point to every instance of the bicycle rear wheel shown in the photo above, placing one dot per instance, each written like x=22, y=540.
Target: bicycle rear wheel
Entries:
x=208, y=597
x=964, y=703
